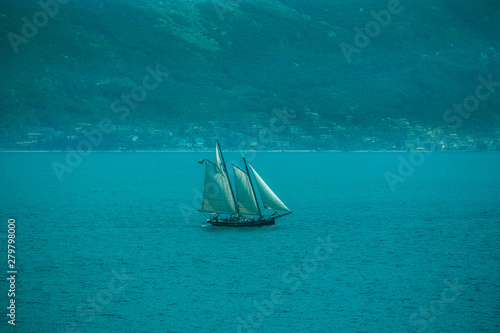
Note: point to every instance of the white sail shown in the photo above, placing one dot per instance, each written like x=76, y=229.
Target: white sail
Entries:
x=269, y=199
x=217, y=195
x=217, y=156
x=244, y=192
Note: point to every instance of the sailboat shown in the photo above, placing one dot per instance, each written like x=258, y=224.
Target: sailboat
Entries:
x=242, y=209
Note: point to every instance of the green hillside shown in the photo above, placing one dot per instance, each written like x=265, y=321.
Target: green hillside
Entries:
x=234, y=61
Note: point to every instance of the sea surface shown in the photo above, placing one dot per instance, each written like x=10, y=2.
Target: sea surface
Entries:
x=117, y=245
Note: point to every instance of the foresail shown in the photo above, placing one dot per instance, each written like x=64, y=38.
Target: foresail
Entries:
x=269, y=199
x=217, y=195
x=244, y=192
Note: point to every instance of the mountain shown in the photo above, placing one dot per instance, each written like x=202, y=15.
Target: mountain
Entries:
x=237, y=60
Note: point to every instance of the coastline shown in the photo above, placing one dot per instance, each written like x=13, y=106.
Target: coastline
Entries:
x=249, y=151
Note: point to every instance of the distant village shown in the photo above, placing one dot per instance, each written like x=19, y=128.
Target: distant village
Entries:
x=281, y=130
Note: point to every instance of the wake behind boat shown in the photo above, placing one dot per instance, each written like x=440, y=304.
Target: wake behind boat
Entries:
x=242, y=210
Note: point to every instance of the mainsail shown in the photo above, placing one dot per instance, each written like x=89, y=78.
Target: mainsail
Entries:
x=217, y=156
x=247, y=202
x=269, y=199
x=217, y=193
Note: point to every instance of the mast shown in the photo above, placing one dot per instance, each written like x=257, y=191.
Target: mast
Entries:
x=227, y=176
x=251, y=184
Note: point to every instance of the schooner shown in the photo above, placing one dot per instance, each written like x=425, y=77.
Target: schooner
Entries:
x=242, y=209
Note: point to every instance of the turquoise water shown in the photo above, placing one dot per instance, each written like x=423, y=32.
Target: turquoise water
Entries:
x=117, y=246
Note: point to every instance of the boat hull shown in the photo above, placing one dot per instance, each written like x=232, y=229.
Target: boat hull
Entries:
x=257, y=223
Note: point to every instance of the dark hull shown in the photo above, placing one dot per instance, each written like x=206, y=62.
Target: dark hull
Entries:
x=258, y=223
